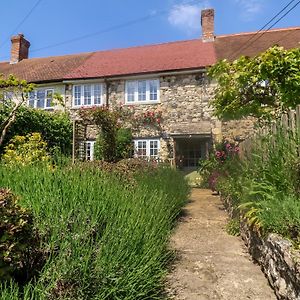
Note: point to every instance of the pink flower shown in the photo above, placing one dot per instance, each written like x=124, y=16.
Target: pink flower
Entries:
x=218, y=154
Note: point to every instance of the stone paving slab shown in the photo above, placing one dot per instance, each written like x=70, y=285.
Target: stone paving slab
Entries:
x=212, y=264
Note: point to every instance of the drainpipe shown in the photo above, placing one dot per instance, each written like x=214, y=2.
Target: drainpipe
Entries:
x=73, y=144
x=106, y=92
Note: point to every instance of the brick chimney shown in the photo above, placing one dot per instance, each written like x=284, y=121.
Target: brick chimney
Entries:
x=208, y=24
x=19, y=48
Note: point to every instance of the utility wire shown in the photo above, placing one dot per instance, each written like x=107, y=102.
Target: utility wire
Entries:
x=109, y=29
x=21, y=23
x=112, y=28
x=262, y=31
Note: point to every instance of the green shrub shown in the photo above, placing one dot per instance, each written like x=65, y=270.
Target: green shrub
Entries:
x=55, y=127
x=123, y=149
x=24, y=150
x=124, y=143
x=19, y=251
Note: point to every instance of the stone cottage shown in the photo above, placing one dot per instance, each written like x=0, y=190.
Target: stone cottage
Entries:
x=169, y=77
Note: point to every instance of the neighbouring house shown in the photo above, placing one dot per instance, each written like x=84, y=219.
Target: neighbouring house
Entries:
x=169, y=77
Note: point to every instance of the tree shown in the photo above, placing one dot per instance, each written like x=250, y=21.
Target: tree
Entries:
x=261, y=87
x=13, y=94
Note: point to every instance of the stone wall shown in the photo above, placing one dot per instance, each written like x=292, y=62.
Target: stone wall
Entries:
x=279, y=261
x=184, y=102
x=238, y=130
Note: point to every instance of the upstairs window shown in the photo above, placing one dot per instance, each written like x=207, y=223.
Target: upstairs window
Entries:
x=87, y=95
x=140, y=91
x=41, y=98
x=147, y=148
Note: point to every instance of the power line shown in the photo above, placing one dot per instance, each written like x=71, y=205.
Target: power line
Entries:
x=245, y=46
x=112, y=28
x=22, y=22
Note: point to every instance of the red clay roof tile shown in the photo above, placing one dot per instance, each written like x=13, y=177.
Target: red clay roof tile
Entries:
x=175, y=56
x=147, y=59
x=234, y=45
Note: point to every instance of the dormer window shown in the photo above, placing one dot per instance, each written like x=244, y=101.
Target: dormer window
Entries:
x=87, y=95
x=41, y=98
x=142, y=91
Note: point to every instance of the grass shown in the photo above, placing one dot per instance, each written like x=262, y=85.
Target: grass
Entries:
x=104, y=238
x=266, y=184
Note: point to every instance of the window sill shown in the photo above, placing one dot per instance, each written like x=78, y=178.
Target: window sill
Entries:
x=142, y=103
x=86, y=106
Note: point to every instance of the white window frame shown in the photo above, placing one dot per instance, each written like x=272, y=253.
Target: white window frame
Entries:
x=93, y=96
x=148, y=142
x=136, y=93
x=90, y=156
x=35, y=98
x=87, y=146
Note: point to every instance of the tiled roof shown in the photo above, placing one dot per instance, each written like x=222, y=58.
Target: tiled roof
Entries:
x=175, y=56
x=44, y=69
x=147, y=59
x=233, y=45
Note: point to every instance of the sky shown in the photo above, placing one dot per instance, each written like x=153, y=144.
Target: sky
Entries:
x=57, y=27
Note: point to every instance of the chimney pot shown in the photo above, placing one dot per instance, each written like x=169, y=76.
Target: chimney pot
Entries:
x=19, y=48
x=208, y=24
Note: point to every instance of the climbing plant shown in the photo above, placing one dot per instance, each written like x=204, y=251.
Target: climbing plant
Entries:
x=262, y=86
x=115, y=128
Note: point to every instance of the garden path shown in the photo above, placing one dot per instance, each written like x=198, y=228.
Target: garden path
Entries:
x=212, y=264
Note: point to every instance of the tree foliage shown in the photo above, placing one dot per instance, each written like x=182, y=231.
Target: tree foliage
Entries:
x=13, y=93
x=261, y=86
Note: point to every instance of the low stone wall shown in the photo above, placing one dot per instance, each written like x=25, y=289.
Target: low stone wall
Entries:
x=276, y=256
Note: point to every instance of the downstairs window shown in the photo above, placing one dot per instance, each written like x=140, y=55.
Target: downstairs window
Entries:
x=147, y=148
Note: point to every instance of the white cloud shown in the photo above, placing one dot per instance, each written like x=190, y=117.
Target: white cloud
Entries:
x=186, y=17
x=250, y=8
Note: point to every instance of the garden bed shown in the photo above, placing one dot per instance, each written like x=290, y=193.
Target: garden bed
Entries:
x=102, y=234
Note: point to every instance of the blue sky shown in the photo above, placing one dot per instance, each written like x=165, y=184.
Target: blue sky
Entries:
x=56, y=21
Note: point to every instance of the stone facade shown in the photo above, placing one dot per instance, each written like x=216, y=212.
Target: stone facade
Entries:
x=184, y=103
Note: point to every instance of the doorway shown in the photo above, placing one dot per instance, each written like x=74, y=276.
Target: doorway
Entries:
x=189, y=150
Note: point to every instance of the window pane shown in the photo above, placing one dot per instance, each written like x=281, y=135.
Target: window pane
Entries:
x=77, y=95
x=87, y=92
x=89, y=150
x=49, y=98
x=40, y=99
x=141, y=149
x=97, y=94
x=142, y=88
x=153, y=87
x=31, y=99
x=130, y=90
x=153, y=149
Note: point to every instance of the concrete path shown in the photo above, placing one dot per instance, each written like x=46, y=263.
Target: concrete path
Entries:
x=212, y=264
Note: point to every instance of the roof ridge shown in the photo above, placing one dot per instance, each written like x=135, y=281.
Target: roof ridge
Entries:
x=261, y=32
x=112, y=50
x=146, y=46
